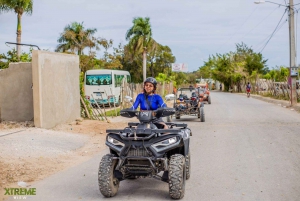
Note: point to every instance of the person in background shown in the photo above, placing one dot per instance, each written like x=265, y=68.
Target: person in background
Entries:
x=248, y=88
x=191, y=88
x=174, y=90
x=180, y=102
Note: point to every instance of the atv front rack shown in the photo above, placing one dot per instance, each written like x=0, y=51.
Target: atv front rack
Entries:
x=124, y=133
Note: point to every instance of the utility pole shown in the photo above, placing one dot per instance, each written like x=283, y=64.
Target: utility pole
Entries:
x=292, y=78
x=293, y=69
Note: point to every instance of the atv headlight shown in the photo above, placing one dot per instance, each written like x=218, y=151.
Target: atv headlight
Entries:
x=163, y=144
x=114, y=141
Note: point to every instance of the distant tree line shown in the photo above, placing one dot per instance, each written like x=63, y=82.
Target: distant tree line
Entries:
x=241, y=66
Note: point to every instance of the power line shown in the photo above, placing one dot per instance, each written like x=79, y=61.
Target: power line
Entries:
x=239, y=27
x=259, y=23
x=262, y=43
x=263, y=46
x=259, y=44
x=274, y=30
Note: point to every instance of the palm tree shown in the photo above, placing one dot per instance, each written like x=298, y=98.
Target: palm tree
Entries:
x=19, y=7
x=75, y=38
x=106, y=44
x=140, y=37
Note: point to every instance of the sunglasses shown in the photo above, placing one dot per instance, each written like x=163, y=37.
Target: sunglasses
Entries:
x=149, y=85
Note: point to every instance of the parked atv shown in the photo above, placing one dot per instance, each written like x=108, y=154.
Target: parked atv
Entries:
x=144, y=150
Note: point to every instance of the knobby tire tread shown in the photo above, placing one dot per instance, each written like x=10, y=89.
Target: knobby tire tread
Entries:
x=106, y=176
x=177, y=176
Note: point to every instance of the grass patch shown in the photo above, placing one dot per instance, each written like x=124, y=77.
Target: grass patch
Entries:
x=113, y=112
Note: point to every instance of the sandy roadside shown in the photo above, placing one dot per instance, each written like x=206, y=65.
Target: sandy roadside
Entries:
x=30, y=154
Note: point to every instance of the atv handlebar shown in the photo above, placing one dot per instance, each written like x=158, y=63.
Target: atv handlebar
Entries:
x=160, y=112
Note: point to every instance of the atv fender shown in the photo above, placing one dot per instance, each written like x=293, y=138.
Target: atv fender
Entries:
x=186, y=140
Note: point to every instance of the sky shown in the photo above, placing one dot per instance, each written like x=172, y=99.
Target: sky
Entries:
x=193, y=29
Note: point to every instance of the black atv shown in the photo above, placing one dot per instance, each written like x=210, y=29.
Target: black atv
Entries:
x=144, y=150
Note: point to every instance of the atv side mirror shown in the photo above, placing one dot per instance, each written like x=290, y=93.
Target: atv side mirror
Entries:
x=128, y=99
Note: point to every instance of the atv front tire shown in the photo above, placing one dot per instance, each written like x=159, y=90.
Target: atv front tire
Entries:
x=177, y=176
x=108, y=183
x=202, y=115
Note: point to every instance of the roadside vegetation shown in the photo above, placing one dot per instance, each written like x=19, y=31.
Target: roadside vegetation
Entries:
x=237, y=67
x=112, y=113
x=143, y=53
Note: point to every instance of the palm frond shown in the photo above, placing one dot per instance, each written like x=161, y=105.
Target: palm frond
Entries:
x=18, y=6
x=78, y=38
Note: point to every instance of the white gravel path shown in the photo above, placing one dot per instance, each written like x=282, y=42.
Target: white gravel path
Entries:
x=35, y=142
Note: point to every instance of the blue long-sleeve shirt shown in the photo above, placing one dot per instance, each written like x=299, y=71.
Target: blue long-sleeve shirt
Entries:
x=155, y=101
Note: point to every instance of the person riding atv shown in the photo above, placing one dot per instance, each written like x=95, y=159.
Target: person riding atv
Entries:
x=204, y=93
x=182, y=105
x=143, y=150
x=149, y=100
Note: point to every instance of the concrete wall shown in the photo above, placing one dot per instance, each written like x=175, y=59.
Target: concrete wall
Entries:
x=16, y=102
x=56, y=94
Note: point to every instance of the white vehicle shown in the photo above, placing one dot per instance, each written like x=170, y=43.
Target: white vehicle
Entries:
x=170, y=97
x=104, y=85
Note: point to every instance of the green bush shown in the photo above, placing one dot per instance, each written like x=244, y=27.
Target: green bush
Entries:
x=113, y=112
